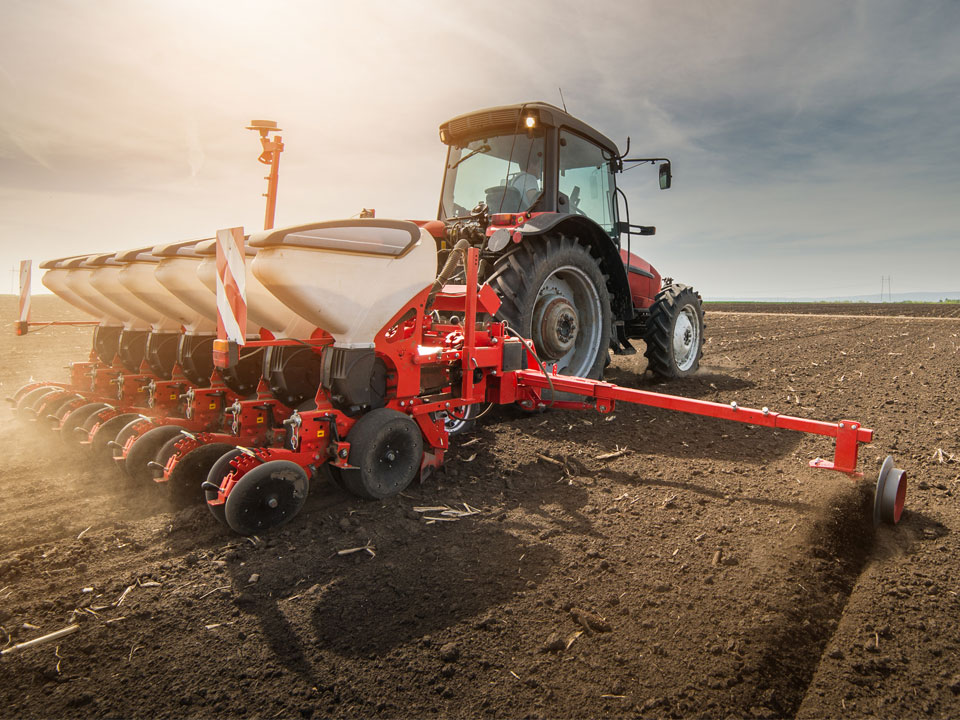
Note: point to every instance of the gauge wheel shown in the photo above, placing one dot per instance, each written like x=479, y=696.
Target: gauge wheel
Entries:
x=266, y=497
x=71, y=429
x=144, y=451
x=386, y=449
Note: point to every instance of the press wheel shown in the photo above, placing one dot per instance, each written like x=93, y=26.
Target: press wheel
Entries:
x=266, y=497
x=386, y=448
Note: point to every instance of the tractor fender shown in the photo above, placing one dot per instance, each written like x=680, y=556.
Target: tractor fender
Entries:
x=593, y=236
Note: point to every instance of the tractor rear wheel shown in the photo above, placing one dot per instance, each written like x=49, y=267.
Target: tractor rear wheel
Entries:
x=554, y=293
x=674, y=333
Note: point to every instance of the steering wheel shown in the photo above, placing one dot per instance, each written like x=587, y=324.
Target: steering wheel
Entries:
x=575, y=201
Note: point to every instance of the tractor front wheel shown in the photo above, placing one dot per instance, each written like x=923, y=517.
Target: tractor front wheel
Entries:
x=674, y=334
x=554, y=293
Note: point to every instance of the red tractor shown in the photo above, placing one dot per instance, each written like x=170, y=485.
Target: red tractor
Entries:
x=535, y=190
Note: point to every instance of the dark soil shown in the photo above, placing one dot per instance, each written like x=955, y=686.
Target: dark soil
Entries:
x=707, y=572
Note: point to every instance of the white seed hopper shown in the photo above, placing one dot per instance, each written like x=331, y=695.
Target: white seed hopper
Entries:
x=348, y=277
x=55, y=280
x=105, y=277
x=79, y=280
x=263, y=309
x=177, y=272
x=139, y=276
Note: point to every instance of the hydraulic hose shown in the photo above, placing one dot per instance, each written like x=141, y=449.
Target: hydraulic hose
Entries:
x=449, y=268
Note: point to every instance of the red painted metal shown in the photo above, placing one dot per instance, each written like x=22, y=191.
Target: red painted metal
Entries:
x=605, y=396
x=414, y=345
x=270, y=155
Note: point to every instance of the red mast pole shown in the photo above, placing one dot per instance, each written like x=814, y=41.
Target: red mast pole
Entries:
x=272, y=147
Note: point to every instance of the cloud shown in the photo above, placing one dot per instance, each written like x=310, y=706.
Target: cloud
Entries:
x=814, y=144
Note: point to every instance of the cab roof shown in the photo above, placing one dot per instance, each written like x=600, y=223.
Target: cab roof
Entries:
x=507, y=119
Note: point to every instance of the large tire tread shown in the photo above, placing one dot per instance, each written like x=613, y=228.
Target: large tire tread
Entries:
x=658, y=335
x=521, y=271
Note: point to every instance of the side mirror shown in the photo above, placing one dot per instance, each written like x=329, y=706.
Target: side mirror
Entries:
x=666, y=178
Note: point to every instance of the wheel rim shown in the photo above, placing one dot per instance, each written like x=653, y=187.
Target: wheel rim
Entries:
x=686, y=338
x=454, y=424
x=566, y=323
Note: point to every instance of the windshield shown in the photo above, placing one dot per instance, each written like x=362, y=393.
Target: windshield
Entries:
x=503, y=171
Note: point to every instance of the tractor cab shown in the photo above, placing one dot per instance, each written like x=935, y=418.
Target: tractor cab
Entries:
x=534, y=158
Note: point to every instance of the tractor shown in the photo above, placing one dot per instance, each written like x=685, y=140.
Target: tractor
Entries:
x=534, y=189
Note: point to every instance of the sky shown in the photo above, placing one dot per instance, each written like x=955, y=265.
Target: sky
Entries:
x=815, y=145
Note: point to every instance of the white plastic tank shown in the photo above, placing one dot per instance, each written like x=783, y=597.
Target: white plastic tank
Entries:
x=348, y=277
x=263, y=309
x=55, y=280
x=138, y=276
x=80, y=281
x=177, y=272
x=106, y=279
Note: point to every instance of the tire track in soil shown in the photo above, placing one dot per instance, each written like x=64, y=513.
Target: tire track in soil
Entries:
x=826, y=570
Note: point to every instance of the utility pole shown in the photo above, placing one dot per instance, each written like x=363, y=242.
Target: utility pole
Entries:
x=885, y=281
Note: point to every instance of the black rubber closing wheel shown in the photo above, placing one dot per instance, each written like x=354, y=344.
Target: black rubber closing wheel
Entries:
x=674, y=332
x=266, y=497
x=71, y=429
x=218, y=471
x=386, y=447
x=99, y=444
x=890, y=494
x=144, y=450
x=191, y=470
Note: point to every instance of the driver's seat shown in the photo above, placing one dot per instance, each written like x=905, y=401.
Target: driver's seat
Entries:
x=503, y=198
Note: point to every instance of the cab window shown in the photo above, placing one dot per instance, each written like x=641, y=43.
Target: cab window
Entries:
x=586, y=180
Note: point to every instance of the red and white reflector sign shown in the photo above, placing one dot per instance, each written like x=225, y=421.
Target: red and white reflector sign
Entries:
x=24, y=319
x=231, y=286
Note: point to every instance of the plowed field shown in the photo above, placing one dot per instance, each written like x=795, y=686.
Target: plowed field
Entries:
x=705, y=572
